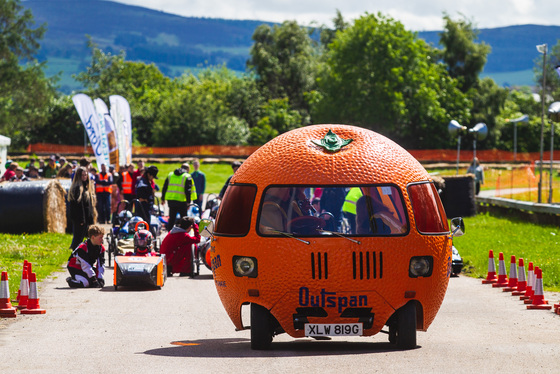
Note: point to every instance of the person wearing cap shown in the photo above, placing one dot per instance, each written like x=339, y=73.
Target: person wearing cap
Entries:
x=177, y=246
x=10, y=170
x=19, y=177
x=234, y=165
x=51, y=169
x=145, y=192
x=178, y=192
x=103, y=190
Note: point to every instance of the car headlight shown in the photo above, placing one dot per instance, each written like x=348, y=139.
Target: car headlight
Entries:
x=245, y=266
x=421, y=266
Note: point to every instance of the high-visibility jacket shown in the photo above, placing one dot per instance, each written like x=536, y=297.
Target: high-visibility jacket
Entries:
x=176, y=187
x=101, y=188
x=352, y=197
x=126, y=183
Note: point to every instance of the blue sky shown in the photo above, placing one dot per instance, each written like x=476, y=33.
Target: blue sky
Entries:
x=416, y=15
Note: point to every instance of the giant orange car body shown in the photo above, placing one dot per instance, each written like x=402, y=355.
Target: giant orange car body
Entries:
x=323, y=279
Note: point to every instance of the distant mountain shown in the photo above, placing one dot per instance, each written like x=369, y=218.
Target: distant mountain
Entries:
x=176, y=43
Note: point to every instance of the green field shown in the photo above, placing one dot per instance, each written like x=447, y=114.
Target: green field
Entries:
x=535, y=243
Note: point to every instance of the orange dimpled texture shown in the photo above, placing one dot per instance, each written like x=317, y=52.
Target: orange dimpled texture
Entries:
x=296, y=158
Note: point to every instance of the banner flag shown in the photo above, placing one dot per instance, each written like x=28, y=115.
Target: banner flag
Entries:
x=88, y=115
x=120, y=112
x=107, y=122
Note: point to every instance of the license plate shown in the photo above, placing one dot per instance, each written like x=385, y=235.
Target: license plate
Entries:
x=333, y=329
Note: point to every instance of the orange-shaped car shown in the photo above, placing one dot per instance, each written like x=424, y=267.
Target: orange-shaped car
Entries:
x=332, y=230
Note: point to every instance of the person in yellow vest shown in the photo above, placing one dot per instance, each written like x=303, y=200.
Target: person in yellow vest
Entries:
x=349, y=206
x=178, y=190
x=103, y=190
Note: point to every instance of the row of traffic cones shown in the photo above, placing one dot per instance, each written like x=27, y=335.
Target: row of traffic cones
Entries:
x=28, y=299
x=529, y=289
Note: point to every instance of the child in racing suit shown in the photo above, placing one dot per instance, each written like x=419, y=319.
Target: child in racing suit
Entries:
x=86, y=261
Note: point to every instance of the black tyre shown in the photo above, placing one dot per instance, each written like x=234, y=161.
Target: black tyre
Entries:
x=261, y=335
x=112, y=245
x=406, y=327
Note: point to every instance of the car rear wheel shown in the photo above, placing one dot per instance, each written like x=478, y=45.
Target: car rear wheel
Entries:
x=261, y=334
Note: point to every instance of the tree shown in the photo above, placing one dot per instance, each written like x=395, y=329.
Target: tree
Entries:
x=518, y=103
x=143, y=85
x=327, y=35
x=25, y=92
x=380, y=76
x=465, y=59
x=198, y=112
x=284, y=60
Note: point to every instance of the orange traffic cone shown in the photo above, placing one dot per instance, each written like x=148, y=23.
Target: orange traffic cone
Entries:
x=19, y=291
x=6, y=308
x=512, y=282
x=529, y=297
x=529, y=290
x=502, y=275
x=33, y=300
x=521, y=280
x=491, y=277
x=538, y=299
x=23, y=291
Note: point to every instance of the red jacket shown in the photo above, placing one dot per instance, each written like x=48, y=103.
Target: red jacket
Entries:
x=177, y=248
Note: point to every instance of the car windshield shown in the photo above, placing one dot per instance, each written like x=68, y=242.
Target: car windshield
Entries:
x=369, y=210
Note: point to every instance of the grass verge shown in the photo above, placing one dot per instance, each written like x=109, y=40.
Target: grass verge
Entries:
x=535, y=243
x=46, y=252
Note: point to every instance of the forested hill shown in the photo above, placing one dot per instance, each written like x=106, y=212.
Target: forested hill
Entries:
x=175, y=43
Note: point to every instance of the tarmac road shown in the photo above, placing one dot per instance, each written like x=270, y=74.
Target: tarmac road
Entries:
x=183, y=328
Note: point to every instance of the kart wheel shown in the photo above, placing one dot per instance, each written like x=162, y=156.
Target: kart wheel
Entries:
x=261, y=335
x=112, y=245
x=457, y=269
x=406, y=327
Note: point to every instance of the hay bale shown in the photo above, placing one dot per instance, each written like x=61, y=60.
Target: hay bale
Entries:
x=54, y=207
x=34, y=206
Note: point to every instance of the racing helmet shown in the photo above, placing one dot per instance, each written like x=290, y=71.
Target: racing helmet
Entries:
x=133, y=221
x=125, y=216
x=143, y=241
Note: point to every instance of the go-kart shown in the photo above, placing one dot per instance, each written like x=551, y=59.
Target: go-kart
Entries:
x=125, y=224
x=140, y=271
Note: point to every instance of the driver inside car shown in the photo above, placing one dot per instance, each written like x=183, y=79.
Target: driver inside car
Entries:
x=281, y=206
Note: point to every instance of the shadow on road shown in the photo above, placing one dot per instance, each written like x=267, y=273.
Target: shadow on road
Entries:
x=229, y=347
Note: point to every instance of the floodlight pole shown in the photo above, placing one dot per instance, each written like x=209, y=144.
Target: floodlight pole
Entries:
x=551, y=160
x=515, y=141
x=458, y=152
x=542, y=49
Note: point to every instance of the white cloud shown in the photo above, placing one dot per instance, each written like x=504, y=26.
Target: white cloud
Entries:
x=416, y=15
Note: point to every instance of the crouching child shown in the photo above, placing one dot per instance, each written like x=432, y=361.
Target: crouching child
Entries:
x=86, y=263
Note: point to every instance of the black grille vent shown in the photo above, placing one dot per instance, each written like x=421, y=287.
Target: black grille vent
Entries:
x=367, y=265
x=319, y=265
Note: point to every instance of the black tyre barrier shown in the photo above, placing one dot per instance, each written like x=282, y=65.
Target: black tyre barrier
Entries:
x=34, y=206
